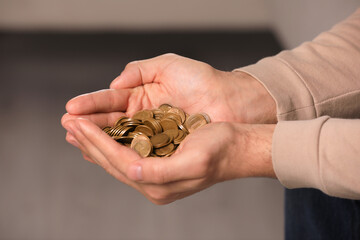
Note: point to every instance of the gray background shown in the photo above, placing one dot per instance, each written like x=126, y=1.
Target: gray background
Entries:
x=49, y=192
x=53, y=50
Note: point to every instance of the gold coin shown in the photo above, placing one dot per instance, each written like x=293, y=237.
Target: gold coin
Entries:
x=107, y=129
x=116, y=130
x=153, y=124
x=131, y=123
x=179, y=112
x=180, y=137
x=157, y=111
x=168, y=124
x=159, y=116
x=174, y=117
x=145, y=130
x=172, y=133
x=207, y=118
x=165, y=107
x=125, y=130
x=170, y=153
x=195, y=121
x=124, y=139
x=142, y=115
x=121, y=120
x=142, y=145
x=164, y=150
x=133, y=134
x=160, y=140
x=182, y=127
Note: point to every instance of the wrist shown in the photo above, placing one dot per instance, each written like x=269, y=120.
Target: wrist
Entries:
x=251, y=151
x=255, y=104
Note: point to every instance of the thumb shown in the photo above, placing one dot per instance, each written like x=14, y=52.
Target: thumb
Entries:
x=181, y=166
x=141, y=72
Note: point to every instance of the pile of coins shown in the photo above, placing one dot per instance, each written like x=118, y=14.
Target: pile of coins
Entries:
x=156, y=132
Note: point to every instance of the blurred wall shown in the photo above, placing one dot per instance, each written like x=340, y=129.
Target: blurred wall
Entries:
x=293, y=21
x=297, y=21
x=132, y=14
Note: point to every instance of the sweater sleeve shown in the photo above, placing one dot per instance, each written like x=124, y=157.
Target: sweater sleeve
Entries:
x=318, y=78
x=322, y=153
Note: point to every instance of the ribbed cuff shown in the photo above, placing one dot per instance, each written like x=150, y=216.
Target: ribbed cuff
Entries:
x=295, y=153
x=293, y=99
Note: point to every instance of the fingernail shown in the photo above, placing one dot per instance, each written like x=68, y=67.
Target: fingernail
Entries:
x=136, y=172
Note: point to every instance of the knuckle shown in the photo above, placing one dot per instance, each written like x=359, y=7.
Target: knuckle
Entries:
x=158, y=174
x=170, y=55
x=132, y=64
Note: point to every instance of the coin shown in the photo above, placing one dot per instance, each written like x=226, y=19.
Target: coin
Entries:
x=142, y=115
x=160, y=140
x=207, y=118
x=156, y=132
x=183, y=128
x=174, y=117
x=165, y=107
x=170, y=153
x=116, y=130
x=195, y=121
x=124, y=139
x=153, y=124
x=121, y=120
x=168, y=124
x=164, y=150
x=145, y=130
x=172, y=133
x=142, y=145
x=179, y=112
x=180, y=137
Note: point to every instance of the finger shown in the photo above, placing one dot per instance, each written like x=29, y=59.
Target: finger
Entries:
x=108, y=100
x=100, y=119
x=184, y=165
x=71, y=139
x=117, y=155
x=170, y=192
x=138, y=73
x=87, y=158
x=93, y=152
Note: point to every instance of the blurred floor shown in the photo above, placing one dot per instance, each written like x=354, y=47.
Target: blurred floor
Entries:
x=48, y=192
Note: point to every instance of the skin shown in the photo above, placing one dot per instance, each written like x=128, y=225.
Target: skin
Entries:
x=226, y=149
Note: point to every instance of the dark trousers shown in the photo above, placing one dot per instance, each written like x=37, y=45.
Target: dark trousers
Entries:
x=310, y=214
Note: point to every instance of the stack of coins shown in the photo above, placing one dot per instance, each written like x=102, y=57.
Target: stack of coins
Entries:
x=157, y=132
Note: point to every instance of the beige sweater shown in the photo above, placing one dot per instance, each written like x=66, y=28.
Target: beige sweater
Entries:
x=316, y=84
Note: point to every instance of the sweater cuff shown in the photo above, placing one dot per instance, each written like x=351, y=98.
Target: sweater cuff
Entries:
x=295, y=153
x=293, y=99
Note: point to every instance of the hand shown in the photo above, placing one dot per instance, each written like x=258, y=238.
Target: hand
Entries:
x=195, y=87
x=213, y=153
x=191, y=85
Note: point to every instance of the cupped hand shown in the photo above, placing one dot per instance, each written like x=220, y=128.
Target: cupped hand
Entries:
x=213, y=153
x=182, y=82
